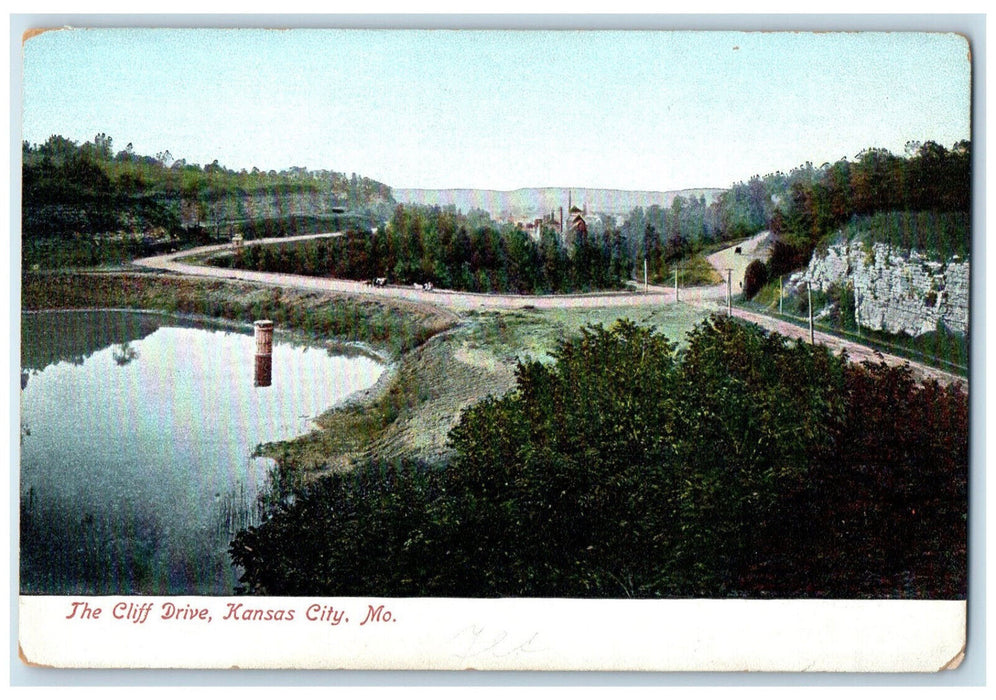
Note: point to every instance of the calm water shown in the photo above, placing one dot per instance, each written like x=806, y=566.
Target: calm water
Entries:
x=136, y=439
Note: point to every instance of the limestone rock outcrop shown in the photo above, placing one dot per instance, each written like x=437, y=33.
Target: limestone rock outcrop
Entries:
x=895, y=291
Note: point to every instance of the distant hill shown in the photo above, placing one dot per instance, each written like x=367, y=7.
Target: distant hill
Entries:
x=536, y=201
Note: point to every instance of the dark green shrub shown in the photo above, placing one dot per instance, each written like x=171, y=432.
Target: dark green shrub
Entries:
x=755, y=277
x=747, y=465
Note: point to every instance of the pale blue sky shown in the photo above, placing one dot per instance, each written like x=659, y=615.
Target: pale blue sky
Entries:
x=501, y=110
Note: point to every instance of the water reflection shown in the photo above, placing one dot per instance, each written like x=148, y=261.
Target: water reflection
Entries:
x=72, y=336
x=136, y=443
x=263, y=376
x=124, y=353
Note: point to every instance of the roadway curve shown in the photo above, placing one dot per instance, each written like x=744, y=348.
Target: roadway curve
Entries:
x=172, y=262
x=712, y=298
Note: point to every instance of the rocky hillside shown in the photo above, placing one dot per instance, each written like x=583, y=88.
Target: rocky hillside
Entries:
x=87, y=192
x=895, y=291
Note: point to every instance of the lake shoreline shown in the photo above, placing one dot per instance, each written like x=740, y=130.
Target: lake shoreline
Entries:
x=357, y=420
x=138, y=433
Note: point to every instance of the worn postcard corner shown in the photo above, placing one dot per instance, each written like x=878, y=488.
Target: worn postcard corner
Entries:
x=545, y=350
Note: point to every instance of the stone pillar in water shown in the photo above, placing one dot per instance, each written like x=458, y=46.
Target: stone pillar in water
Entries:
x=264, y=353
x=264, y=337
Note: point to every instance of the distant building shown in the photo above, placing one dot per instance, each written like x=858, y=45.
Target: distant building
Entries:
x=578, y=226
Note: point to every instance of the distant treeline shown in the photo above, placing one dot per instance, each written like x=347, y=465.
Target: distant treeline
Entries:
x=668, y=236
x=920, y=201
x=747, y=465
x=454, y=251
x=808, y=204
x=884, y=195
x=86, y=203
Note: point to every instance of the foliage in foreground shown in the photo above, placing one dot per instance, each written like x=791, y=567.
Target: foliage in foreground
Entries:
x=746, y=465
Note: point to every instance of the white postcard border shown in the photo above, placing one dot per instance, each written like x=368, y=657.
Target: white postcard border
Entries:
x=494, y=634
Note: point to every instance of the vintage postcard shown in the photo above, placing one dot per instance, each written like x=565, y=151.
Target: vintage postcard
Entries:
x=478, y=349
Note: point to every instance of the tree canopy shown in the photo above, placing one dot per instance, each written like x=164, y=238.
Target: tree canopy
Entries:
x=807, y=204
x=452, y=250
x=82, y=203
x=744, y=465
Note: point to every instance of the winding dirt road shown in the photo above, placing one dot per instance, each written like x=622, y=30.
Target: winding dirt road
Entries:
x=173, y=262
x=712, y=298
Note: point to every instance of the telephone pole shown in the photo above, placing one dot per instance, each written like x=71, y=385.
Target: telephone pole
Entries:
x=676, y=284
x=812, y=334
x=646, y=284
x=729, y=291
x=857, y=321
x=781, y=294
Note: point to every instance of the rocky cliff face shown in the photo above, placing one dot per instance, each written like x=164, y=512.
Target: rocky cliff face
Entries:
x=895, y=291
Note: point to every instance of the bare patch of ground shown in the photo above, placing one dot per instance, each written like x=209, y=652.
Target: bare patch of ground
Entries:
x=411, y=414
x=435, y=384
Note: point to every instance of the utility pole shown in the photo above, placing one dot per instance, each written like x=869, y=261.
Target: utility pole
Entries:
x=646, y=283
x=781, y=294
x=676, y=284
x=812, y=334
x=857, y=322
x=729, y=292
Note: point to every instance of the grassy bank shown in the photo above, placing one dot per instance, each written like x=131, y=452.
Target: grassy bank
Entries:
x=694, y=271
x=478, y=358
x=410, y=414
x=438, y=367
x=391, y=327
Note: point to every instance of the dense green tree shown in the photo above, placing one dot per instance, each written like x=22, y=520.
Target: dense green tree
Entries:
x=754, y=412
x=755, y=277
x=806, y=205
x=744, y=465
x=439, y=246
x=81, y=203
